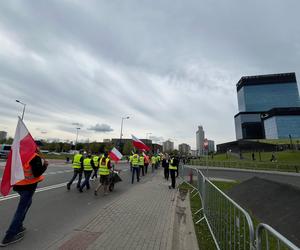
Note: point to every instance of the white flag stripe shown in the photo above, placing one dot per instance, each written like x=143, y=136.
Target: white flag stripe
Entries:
x=117, y=153
x=17, y=172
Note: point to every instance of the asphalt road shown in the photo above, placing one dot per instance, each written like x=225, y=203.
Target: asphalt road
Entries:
x=242, y=175
x=56, y=211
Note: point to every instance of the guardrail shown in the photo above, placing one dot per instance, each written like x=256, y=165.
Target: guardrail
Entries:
x=268, y=238
x=230, y=225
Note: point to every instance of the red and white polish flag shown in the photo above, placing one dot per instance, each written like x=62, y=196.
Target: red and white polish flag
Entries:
x=139, y=144
x=115, y=155
x=22, y=151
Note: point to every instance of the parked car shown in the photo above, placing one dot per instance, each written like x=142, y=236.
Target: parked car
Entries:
x=4, y=150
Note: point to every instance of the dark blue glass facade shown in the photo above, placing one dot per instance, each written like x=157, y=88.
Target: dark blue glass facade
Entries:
x=267, y=96
x=282, y=126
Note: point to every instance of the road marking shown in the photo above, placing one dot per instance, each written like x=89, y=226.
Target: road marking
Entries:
x=12, y=196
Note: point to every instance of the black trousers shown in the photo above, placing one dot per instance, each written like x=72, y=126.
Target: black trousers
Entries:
x=95, y=173
x=173, y=177
x=142, y=168
x=146, y=167
x=166, y=172
x=79, y=173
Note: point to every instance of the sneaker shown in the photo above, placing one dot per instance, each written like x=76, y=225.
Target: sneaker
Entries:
x=22, y=230
x=80, y=190
x=170, y=187
x=95, y=193
x=10, y=240
x=68, y=186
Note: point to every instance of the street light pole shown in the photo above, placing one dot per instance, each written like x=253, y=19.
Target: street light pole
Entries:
x=121, y=134
x=24, y=105
x=76, y=137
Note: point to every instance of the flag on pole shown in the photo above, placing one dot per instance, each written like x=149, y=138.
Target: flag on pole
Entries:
x=115, y=155
x=139, y=144
x=22, y=151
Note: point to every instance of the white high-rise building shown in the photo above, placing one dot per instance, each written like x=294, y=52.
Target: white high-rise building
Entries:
x=168, y=146
x=200, y=140
x=211, y=146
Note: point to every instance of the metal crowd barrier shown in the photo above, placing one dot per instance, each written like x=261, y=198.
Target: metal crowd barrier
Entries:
x=268, y=238
x=230, y=225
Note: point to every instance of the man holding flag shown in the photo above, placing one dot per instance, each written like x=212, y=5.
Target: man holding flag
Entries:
x=23, y=171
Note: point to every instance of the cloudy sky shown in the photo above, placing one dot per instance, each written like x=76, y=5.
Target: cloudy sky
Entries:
x=170, y=65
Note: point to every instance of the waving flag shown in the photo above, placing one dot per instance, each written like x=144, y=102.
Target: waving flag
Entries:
x=139, y=144
x=115, y=155
x=22, y=151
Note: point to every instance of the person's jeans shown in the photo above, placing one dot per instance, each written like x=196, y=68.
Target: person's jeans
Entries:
x=79, y=173
x=142, y=169
x=137, y=171
x=166, y=172
x=95, y=175
x=23, y=206
x=86, y=182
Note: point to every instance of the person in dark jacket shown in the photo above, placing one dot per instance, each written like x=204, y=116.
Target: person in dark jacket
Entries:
x=25, y=188
x=173, y=167
x=165, y=165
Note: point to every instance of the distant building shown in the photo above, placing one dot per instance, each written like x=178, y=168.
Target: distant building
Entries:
x=106, y=140
x=269, y=107
x=211, y=146
x=200, y=140
x=3, y=135
x=184, y=148
x=168, y=146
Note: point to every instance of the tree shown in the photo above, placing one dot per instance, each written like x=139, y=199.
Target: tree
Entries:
x=128, y=147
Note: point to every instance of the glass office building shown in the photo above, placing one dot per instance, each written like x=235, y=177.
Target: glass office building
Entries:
x=257, y=96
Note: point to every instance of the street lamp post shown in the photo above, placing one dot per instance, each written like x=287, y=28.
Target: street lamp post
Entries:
x=24, y=105
x=76, y=137
x=121, y=134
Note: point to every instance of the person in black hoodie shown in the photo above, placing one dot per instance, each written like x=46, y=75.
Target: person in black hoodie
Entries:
x=165, y=165
x=25, y=188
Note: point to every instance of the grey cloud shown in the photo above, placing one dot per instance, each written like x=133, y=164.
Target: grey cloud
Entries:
x=101, y=128
x=169, y=63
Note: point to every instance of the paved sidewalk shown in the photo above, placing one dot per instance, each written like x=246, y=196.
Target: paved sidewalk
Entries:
x=142, y=218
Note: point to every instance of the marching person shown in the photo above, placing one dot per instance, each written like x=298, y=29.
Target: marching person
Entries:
x=153, y=162
x=146, y=162
x=142, y=163
x=104, y=171
x=173, y=167
x=88, y=166
x=135, y=168
x=157, y=161
x=33, y=171
x=78, y=169
x=96, y=160
x=165, y=165
x=130, y=162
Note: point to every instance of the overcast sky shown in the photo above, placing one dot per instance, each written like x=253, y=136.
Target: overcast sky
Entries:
x=170, y=65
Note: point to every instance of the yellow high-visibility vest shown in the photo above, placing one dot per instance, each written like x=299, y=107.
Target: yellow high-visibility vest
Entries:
x=171, y=166
x=76, y=161
x=135, y=160
x=103, y=169
x=87, y=166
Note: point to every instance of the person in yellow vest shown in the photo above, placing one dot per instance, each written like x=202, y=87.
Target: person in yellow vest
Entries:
x=88, y=166
x=78, y=169
x=142, y=164
x=104, y=171
x=96, y=160
x=157, y=161
x=153, y=162
x=33, y=171
x=130, y=162
x=135, y=168
x=173, y=167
